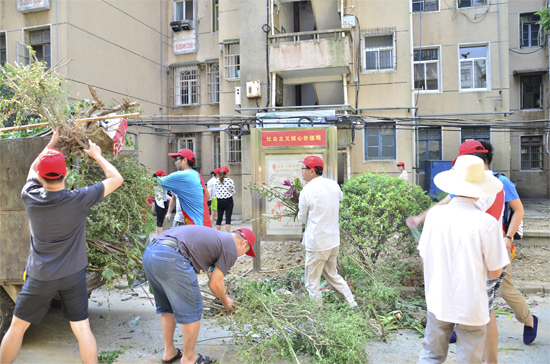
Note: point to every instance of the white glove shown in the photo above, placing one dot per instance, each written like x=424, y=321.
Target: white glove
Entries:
x=170, y=216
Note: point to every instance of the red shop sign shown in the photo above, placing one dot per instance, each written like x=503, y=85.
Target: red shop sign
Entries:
x=292, y=138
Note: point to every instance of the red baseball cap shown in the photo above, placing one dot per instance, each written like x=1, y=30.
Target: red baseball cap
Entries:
x=401, y=164
x=51, y=164
x=224, y=169
x=160, y=172
x=217, y=170
x=470, y=147
x=314, y=162
x=250, y=237
x=185, y=153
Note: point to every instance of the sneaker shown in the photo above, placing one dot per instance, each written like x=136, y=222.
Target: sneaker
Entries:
x=139, y=283
x=530, y=333
x=452, y=340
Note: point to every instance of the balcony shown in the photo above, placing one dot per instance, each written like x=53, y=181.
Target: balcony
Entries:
x=312, y=56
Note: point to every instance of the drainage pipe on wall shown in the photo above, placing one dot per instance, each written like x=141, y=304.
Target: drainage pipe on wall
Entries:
x=414, y=168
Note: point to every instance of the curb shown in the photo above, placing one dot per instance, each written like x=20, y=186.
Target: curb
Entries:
x=535, y=289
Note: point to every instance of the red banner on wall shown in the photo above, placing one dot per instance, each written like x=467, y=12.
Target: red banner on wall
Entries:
x=293, y=138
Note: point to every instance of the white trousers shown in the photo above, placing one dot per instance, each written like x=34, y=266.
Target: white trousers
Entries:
x=324, y=263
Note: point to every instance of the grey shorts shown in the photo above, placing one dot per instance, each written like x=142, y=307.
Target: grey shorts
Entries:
x=492, y=287
x=34, y=299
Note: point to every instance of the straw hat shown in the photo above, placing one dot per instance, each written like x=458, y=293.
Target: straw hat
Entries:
x=468, y=178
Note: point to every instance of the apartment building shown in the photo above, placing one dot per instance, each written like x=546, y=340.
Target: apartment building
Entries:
x=403, y=81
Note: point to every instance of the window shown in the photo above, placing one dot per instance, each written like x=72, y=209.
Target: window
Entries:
x=426, y=70
x=481, y=133
x=217, y=152
x=429, y=146
x=234, y=150
x=232, y=60
x=425, y=5
x=40, y=43
x=213, y=83
x=186, y=87
x=529, y=30
x=3, y=51
x=473, y=67
x=471, y=3
x=186, y=142
x=215, y=16
x=531, y=92
x=380, y=141
x=190, y=141
x=531, y=152
x=378, y=53
x=183, y=10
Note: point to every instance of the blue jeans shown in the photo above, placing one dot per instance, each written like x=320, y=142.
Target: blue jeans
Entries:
x=174, y=283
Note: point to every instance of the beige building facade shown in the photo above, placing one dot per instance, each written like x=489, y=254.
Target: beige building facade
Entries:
x=404, y=81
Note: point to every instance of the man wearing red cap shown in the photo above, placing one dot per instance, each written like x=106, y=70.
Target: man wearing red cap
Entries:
x=319, y=208
x=188, y=185
x=190, y=250
x=57, y=259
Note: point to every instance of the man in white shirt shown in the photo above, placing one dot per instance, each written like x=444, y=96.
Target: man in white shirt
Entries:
x=211, y=186
x=461, y=247
x=319, y=209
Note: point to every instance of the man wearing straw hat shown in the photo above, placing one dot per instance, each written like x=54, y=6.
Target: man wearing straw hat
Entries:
x=461, y=247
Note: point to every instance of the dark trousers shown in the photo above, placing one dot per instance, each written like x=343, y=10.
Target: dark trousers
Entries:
x=225, y=205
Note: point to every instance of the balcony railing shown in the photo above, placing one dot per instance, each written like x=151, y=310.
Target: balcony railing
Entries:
x=322, y=53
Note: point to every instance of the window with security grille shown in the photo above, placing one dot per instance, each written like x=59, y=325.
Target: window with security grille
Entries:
x=531, y=152
x=471, y=3
x=234, y=150
x=213, y=83
x=426, y=70
x=378, y=53
x=473, y=67
x=40, y=43
x=531, y=92
x=380, y=141
x=232, y=59
x=529, y=30
x=3, y=50
x=429, y=146
x=186, y=86
x=425, y=5
x=481, y=133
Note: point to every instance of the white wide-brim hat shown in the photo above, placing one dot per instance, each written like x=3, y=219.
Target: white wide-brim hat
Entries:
x=468, y=178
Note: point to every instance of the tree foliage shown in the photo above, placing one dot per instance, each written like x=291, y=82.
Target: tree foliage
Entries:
x=544, y=21
x=121, y=223
x=373, y=213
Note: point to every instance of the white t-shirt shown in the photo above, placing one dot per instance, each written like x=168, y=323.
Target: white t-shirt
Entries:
x=211, y=186
x=459, y=244
x=319, y=209
x=404, y=175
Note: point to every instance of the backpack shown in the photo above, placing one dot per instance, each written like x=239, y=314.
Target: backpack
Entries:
x=507, y=218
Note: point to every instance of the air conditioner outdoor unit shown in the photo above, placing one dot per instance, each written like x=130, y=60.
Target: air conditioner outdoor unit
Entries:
x=179, y=25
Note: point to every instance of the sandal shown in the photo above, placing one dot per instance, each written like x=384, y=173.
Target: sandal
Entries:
x=178, y=356
x=205, y=360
